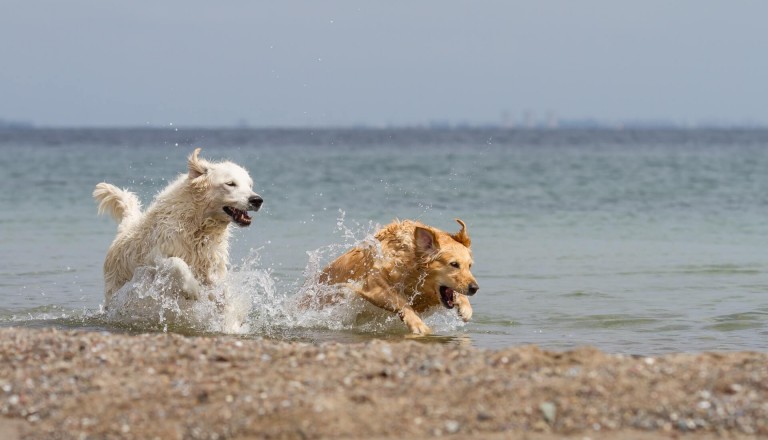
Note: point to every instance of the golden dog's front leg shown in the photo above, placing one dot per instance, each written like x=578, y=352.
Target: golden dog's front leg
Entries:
x=381, y=295
x=414, y=323
x=463, y=307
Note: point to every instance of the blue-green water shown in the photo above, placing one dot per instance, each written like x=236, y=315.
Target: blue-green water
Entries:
x=632, y=241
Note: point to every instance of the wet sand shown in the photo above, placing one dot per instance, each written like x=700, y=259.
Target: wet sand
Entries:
x=76, y=384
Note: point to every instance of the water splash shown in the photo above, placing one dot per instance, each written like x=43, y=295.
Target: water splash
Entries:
x=252, y=301
x=149, y=302
x=313, y=305
x=300, y=305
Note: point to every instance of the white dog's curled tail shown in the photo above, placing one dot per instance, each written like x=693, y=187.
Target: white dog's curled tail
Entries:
x=122, y=205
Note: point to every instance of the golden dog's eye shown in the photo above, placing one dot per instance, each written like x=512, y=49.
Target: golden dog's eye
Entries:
x=231, y=184
x=455, y=264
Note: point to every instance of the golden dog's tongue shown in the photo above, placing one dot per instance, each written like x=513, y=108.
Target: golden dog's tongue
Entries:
x=447, y=295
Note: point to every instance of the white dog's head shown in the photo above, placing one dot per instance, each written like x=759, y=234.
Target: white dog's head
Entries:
x=226, y=189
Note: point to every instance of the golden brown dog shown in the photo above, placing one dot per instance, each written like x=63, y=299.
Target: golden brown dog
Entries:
x=416, y=268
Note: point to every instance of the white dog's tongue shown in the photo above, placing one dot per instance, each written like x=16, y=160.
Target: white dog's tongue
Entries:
x=242, y=217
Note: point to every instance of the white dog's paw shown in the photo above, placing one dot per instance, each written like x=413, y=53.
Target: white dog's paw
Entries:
x=190, y=289
x=182, y=278
x=464, y=308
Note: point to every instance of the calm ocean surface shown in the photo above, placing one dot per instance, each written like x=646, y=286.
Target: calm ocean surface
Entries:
x=637, y=242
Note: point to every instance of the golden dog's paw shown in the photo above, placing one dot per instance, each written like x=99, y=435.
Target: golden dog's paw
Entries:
x=420, y=330
x=465, y=313
x=464, y=308
x=415, y=325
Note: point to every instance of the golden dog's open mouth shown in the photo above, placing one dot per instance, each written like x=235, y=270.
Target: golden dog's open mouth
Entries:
x=446, y=296
x=238, y=216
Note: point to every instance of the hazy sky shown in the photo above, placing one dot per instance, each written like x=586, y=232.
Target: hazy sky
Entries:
x=319, y=63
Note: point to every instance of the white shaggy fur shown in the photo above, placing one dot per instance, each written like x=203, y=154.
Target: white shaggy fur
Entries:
x=184, y=234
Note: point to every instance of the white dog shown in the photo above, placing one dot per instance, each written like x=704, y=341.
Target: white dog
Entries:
x=184, y=234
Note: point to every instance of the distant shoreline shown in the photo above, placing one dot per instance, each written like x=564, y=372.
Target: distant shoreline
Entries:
x=576, y=126
x=394, y=137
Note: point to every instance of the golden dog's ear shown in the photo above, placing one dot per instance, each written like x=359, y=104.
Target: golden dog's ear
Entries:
x=462, y=236
x=197, y=167
x=426, y=242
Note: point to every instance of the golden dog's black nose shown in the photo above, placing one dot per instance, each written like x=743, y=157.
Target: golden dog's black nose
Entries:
x=255, y=202
x=472, y=288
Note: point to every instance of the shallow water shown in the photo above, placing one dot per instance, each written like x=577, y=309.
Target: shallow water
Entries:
x=632, y=241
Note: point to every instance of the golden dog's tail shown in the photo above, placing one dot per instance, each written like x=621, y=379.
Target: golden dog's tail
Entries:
x=122, y=205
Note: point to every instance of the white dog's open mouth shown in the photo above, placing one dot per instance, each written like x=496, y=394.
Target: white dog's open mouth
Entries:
x=238, y=216
x=446, y=296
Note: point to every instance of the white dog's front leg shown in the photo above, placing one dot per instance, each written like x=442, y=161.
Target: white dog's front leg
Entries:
x=181, y=277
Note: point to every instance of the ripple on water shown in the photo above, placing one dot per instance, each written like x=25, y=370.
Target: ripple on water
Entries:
x=739, y=321
x=610, y=321
x=586, y=294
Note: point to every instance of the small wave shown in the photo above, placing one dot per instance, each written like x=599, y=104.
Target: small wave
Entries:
x=37, y=273
x=739, y=321
x=612, y=321
x=706, y=269
x=496, y=321
x=722, y=269
x=586, y=294
x=40, y=313
x=54, y=316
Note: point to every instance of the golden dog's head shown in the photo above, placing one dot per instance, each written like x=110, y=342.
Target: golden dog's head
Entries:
x=224, y=188
x=448, y=260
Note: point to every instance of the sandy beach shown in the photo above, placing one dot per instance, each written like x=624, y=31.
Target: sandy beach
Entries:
x=77, y=384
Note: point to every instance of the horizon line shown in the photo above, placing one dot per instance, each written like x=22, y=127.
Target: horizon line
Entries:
x=6, y=125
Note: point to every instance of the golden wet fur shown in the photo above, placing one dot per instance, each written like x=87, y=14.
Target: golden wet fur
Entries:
x=184, y=233
x=407, y=273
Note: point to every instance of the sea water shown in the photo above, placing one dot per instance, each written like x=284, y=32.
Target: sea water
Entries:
x=640, y=242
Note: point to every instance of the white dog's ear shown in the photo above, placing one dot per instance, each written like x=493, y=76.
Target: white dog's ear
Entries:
x=197, y=167
x=462, y=236
x=426, y=242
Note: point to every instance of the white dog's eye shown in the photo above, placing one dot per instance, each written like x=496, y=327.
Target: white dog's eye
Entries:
x=454, y=264
x=231, y=184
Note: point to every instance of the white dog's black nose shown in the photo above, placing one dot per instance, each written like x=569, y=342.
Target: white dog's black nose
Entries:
x=472, y=288
x=255, y=202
